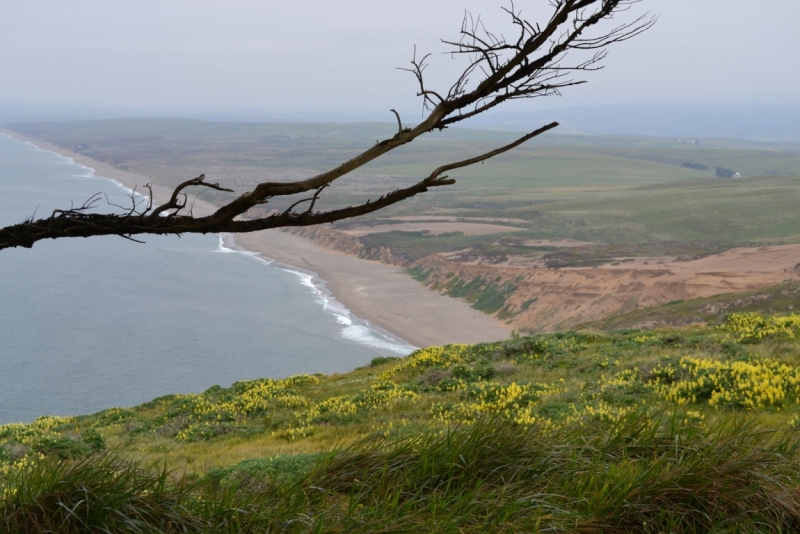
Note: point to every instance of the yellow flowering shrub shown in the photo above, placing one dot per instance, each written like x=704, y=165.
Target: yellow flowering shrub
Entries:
x=27, y=433
x=256, y=395
x=625, y=378
x=115, y=415
x=606, y=363
x=750, y=384
x=345, y=408
x=293, y=434
x=430, y=357
x=754, y=326
x=601, y=411
x=207, y=412
x=512, y=401
x=20, y=464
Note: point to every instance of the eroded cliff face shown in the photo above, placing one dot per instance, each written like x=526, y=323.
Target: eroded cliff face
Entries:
x=540, y=298
x=544, y=299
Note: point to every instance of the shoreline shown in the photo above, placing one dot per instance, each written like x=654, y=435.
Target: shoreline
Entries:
x=381, y=295
x=353, y=327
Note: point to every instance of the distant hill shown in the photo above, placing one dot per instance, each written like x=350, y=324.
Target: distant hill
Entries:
x=758, y=122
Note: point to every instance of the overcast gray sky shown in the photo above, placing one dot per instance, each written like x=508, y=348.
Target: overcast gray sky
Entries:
x=340, y=55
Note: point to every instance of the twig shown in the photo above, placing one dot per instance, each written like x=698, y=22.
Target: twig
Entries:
x=399, y=122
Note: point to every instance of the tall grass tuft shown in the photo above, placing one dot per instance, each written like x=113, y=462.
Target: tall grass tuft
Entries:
x=632, y=476
x=94, y=494
x=639, y=474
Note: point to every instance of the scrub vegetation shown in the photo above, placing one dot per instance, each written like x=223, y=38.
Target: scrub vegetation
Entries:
x=668, y=430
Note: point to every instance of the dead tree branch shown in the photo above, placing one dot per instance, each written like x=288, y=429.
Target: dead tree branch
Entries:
x=174, y=202
x=535, y=63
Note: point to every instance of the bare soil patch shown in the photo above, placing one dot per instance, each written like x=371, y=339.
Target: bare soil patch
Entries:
x=553, y=299
x=558, y=243
x=434, y=228
x=450, y=218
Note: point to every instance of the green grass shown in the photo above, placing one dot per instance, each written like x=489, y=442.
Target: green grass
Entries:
x=488, y=296
x=411, y=246
x=688, y=218
x=535, y=168
x=709, y=209
x=629, y=476
x=484, y=295
x=670, y=430
x=612, y=190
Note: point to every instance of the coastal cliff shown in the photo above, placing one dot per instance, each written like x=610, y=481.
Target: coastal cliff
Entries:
x=538, y=297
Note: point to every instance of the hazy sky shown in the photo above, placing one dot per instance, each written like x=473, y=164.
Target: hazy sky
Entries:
x=340, y=55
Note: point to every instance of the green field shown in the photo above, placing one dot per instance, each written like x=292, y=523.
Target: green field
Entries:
x=618, y=191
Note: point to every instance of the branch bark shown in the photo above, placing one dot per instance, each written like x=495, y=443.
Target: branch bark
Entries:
x=529, y=66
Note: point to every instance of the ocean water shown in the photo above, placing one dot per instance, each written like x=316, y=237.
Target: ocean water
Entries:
x=86, y=324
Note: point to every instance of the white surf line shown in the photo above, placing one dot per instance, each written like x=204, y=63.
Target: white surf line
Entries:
x=353, y=328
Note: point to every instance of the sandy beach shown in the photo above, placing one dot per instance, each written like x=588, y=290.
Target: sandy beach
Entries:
x=382, y=294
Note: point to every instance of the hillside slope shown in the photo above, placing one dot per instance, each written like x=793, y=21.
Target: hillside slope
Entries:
x=627, y=431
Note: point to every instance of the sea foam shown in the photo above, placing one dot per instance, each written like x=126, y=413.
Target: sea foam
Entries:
x=353, y=328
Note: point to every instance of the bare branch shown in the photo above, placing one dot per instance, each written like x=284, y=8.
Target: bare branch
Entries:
x=493, y=153
x=536, y=61
x=399, y=122
x=129, y=238
x=173, y=201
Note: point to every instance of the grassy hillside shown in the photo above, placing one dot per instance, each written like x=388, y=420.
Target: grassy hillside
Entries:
x=611, y=190
x=680, y=430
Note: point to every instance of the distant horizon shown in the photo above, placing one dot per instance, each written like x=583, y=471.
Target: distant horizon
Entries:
x=763, y=121
x=543, y=104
